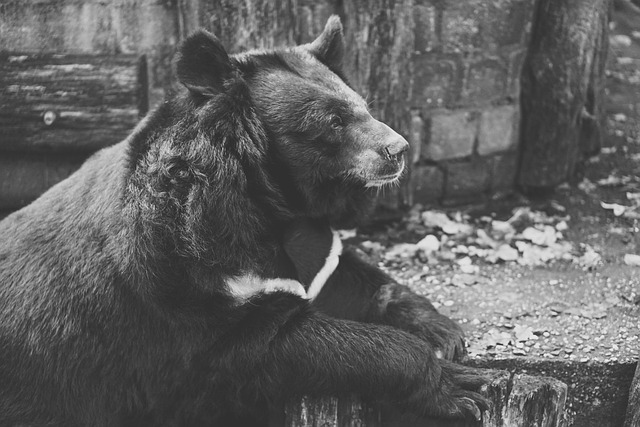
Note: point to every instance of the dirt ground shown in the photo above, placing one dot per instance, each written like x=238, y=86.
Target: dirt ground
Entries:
x=577, y=298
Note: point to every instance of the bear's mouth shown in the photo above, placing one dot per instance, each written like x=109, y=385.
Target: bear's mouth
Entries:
x=387, y=179
x=379, y=182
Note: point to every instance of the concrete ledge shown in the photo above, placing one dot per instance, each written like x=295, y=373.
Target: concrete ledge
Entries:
x=515, y=400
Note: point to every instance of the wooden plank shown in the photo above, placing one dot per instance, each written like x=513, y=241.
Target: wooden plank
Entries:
x=24, y=177
x=632, y=418
x=69, y=102
x=514, y=400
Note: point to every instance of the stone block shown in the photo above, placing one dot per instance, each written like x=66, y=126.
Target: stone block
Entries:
x=498, y=129
x=507, y=22
x=503, y=172
x=451, y=136
x=428, y=183
x=469, y=180
x=425, y=36
x=485, y=81
x=461, y=25
x=436, y=82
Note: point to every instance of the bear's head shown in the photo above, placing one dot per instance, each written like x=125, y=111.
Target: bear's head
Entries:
x=325, y=153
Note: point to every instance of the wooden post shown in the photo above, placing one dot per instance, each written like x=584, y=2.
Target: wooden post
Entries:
x=563, y=90
x=515, y=401
x=632, y=418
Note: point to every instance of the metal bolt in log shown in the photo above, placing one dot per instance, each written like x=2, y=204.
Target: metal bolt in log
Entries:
x=49, y=117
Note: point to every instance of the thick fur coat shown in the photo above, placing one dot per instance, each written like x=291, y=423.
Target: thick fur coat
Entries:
x=154, y=286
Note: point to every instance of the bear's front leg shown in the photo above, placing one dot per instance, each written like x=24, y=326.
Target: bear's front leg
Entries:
x=359, y=291
x=282, y=348
x=399, y=306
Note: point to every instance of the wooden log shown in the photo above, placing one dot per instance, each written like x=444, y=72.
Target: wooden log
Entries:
x=515, y=401
x=24, y=177
x=69, y=102
x=535, y=402
x=632, y=418
x=98, y=27
x=330, y=411
x=562, y=90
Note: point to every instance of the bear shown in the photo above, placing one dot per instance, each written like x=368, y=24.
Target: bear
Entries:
x=191, y=274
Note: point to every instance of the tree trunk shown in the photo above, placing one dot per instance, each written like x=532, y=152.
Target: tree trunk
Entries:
x=633, y=408
x=563, y=90
x=380, y=44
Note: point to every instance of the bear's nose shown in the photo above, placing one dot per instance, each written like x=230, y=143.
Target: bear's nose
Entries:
x=396, y=148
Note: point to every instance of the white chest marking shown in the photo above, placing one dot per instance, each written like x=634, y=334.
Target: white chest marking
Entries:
x=330, y=265
x=248, y=285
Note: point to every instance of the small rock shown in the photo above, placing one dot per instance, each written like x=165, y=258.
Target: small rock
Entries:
x=429, y=244
x=632, y=259
x=507, y=253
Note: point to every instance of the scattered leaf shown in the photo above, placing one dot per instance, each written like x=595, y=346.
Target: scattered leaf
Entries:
x=615, y=207
x=524, y=333
x=494, y=337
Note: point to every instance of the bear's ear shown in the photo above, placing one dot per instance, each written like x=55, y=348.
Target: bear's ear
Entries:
x=203, y=64
x=329, y=46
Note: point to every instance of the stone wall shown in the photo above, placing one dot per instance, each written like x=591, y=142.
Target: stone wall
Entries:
x=465, y=99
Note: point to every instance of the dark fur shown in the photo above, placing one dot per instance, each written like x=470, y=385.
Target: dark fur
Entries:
x=113, y=303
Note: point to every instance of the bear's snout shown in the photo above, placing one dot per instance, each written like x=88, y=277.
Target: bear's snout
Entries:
x=380, y=159
x=395, y=149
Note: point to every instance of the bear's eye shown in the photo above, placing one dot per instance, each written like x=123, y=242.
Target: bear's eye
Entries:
x=336, y=121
